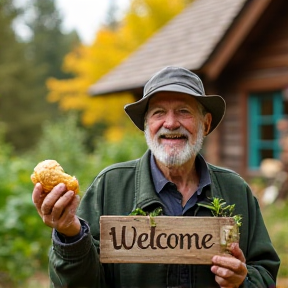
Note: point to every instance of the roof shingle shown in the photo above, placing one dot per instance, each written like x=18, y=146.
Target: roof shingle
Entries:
x=187, y=40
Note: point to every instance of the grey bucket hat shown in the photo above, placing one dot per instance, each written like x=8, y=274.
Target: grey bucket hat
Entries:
x=176, y=79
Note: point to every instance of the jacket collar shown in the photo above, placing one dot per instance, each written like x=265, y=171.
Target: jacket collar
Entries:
x=145, y=194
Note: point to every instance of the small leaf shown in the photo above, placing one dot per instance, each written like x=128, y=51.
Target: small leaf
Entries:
x=138, y=211
x=156, y=212
x=219, y=208
x=209, y=206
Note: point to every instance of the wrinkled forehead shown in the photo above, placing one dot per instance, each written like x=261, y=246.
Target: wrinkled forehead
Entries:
x=173, y=99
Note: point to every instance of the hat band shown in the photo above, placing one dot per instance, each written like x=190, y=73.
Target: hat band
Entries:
x=192, y=88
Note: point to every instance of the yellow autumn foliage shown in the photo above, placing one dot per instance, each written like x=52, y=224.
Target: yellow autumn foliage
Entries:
x=89, y=63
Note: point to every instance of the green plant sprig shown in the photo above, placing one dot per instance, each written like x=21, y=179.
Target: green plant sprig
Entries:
x=219, y=208
x=156, y=212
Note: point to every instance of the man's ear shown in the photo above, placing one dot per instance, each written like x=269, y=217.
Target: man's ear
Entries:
x=207, y=123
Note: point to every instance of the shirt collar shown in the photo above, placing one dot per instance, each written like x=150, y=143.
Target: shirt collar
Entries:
x=160, y=181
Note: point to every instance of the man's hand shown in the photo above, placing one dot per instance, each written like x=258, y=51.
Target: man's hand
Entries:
x=58, y=208
x=230, y=271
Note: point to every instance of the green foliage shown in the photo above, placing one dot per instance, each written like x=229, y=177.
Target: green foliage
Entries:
x=6, y=183
x=16, y=80
x=113, y=43
x=63, y=141
x=48, y=45
x=25, y=66
x=24, y=238
x=156, y=212
x=132, y=146
x=138, y=211
x=276, y=219
x=219, y=208
x=23, y=245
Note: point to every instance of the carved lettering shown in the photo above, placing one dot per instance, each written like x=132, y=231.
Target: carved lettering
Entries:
x=204, y=241
x=142, y=238
x=158, y=241
x=123, y=238
x=170, y=241
x=189, y=241
x=161, y=241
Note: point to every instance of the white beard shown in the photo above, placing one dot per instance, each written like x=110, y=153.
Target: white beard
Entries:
x=173, y=156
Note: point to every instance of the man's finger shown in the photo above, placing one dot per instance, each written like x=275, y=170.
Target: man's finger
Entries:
x=237, y=252
x=61, y=204
x=227, y=262
x=69, y=224
x=51, y=198
x=38, y=197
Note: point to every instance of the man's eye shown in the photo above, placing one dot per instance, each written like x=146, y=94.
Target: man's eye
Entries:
x=184, y=111
x=158, y=112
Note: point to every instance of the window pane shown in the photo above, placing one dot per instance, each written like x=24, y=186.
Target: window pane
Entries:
x=265, y=110
x=267, y=132
x=266, y=153
x=285, y=107
x=267, y=107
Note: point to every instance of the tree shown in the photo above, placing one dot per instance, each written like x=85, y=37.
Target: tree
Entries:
x=16, y=78
x=25, y=66
x=111, y=20
x=25, y=240
x=112, y=45
x=48, y=45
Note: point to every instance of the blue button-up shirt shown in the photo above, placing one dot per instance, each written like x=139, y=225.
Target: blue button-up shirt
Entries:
x=172, y=200
x=168, y=193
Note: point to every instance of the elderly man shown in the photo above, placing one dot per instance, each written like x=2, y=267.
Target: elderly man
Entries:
x=175, y=115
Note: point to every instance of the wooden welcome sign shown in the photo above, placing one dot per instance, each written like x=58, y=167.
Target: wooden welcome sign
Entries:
x=164, y=239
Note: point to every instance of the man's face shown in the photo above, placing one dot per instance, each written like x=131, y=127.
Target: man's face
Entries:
x=175, y=127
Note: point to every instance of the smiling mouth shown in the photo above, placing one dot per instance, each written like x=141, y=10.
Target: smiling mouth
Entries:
x=173, y=136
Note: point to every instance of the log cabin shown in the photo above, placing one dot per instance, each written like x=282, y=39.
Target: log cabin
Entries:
x=239, y=48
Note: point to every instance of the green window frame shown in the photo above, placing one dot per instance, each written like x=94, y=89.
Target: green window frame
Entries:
x=265, y=110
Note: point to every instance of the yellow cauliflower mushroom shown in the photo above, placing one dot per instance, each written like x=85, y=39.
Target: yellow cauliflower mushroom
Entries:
x=49, y=173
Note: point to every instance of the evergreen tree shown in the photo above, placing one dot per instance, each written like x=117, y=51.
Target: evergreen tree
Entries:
x=49, y=45
x=16, y=79
x=25, y=67
x=111, y=20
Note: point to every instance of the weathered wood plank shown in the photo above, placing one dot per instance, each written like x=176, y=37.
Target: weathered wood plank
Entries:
x=187, y=240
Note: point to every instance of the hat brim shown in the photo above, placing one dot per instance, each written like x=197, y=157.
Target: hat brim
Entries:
x=214, y=104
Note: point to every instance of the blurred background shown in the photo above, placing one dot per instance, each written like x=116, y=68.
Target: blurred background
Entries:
x=47, y=67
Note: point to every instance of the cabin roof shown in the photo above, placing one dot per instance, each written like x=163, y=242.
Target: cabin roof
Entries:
x=188, y=40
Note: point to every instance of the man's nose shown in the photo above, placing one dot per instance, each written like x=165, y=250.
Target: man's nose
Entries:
x=171, y=121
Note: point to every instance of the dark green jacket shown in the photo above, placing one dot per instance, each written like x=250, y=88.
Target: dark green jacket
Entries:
x=122, y=187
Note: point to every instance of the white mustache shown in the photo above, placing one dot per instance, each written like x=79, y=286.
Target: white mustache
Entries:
x=181, y=131
x=177, y=156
